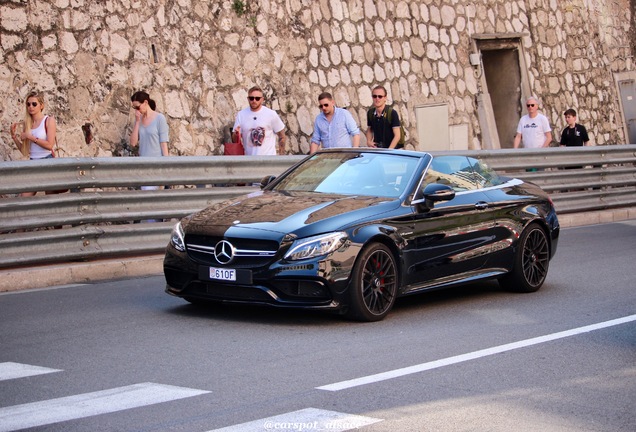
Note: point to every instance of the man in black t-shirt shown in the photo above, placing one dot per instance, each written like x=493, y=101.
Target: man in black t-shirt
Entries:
x=574, y=135
x=383, y=122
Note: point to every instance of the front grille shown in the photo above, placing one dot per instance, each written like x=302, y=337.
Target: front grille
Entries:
x=250, y=253
x=238, y=293
x=285, y=293
x=213, y=291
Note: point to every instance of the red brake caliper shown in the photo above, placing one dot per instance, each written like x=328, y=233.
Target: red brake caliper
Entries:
x=380, y=280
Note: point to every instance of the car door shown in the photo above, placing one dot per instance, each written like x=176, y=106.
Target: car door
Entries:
x=508, y=202
x=450, y=241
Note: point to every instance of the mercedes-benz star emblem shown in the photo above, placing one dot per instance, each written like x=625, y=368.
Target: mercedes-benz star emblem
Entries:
x=224, y=252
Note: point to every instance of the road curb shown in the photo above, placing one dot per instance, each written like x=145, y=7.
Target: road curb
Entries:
x=78, y=273
x=152, y=265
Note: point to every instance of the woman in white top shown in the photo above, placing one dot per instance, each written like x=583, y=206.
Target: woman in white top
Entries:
x=37, y=139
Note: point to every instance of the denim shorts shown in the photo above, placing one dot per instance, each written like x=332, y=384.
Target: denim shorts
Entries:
x=45, y=157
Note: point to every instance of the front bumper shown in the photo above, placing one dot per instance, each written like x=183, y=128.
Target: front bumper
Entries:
x=310, y=284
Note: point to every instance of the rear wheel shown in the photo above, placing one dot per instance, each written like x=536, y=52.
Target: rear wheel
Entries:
x=374, y=284
x=531, y=262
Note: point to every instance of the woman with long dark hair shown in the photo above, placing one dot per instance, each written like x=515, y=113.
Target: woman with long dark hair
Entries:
x=150, y=131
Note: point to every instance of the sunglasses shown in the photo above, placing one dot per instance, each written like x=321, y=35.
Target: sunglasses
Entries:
x=530, y=105
x=323, y=105
x=255, y=98
x=136, y=107
x=377, y=96
x=33, y=104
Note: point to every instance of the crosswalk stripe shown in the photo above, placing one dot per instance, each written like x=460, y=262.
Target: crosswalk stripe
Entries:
x=308, y=419
x=11, y=370
x=89, y=404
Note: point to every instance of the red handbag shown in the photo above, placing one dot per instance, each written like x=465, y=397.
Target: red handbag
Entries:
x=234, y=148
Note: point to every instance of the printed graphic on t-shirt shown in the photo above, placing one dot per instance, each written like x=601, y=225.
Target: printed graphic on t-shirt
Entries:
x=531, y=125
x=257, y=135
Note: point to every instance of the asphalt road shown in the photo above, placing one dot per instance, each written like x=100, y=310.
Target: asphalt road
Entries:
x=124, y=356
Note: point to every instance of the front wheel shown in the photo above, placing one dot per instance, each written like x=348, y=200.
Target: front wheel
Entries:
x=530, y=263
x=373, y=285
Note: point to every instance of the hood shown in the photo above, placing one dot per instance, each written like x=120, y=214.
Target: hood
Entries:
x=288, y=212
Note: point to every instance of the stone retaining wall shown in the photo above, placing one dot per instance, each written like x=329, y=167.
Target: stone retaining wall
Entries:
x=197, y=58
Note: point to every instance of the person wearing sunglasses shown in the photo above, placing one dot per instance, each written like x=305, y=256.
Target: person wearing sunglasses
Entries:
x=259, y=126
x=334, y=127
x=383, y=123
x=37, y=138
x=533, y=130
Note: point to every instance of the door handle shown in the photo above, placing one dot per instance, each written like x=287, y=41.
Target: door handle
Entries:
x=481, y=205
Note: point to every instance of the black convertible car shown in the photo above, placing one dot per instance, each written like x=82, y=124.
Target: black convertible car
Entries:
x=352, y=229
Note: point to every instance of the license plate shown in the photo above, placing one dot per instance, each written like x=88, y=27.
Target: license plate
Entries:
x=222, y=274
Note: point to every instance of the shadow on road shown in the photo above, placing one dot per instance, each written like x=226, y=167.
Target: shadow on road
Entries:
x=417, y=303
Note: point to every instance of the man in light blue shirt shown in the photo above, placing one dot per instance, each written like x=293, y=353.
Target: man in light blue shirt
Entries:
x=334, y=127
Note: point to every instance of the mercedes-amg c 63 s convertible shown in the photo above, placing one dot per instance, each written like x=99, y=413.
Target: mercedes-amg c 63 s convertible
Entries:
x=350, y=230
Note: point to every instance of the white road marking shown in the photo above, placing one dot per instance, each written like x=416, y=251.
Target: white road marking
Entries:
x=471, y=356
x=308, y=419
x=89, y=404
x=10, y=370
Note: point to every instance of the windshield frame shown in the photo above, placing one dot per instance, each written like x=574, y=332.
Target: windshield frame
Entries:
x=369, y=172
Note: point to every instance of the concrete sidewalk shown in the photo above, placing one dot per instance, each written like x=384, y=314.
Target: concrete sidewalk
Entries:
x=152, y=265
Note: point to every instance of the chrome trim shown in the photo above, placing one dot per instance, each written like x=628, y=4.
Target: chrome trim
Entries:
x=237, y=252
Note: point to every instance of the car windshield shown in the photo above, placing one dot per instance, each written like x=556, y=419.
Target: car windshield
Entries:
x=372, y=174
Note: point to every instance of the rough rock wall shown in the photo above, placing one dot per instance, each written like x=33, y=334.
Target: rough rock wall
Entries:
x=197, y=58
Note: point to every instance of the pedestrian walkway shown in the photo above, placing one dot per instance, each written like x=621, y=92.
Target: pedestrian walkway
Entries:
x=74, y=407
x=41, y=413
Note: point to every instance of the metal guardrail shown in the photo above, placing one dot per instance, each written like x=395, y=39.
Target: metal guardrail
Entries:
x=104, y=214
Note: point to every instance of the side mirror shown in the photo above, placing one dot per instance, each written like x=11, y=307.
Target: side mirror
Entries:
x=432, y=193
x=436, y=192
x=267, y=180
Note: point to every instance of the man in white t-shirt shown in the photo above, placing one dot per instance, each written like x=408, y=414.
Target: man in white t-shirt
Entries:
x=533, y=128
x=259, y=126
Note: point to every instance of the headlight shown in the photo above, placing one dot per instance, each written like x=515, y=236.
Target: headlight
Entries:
x=176, y=238
x=312, y=247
